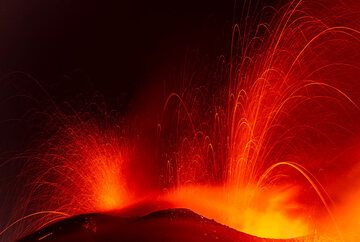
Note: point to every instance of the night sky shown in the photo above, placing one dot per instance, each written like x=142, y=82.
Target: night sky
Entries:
x=114, y=47
x=118, y=49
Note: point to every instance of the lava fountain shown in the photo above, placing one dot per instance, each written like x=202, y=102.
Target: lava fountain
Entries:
x=80, y=169
x=269, y=148
x=264, y=163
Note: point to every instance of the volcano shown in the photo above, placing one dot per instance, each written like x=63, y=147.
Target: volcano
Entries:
x=177, y=224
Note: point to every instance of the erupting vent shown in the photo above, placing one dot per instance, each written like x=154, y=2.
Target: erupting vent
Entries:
x=269, y=147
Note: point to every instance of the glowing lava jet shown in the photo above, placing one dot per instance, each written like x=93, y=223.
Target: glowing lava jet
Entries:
x=274, y=154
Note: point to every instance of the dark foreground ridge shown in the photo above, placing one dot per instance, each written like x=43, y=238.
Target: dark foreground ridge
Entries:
x=173, y=225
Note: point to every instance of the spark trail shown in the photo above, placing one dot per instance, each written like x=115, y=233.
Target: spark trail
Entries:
x=272, y=151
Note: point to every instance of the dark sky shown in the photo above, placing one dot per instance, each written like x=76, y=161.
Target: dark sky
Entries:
x=116, y=49
x=111, y=47
x=69, y=51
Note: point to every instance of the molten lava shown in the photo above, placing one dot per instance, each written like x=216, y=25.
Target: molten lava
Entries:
x=272, y=152
x=263, y=215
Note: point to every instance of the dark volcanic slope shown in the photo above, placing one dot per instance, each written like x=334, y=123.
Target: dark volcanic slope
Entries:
x=165, y=225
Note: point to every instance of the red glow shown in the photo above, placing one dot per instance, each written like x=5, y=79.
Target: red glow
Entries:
x=91, y=165
x=290, y=117
x=262, y=215
x=274, y=154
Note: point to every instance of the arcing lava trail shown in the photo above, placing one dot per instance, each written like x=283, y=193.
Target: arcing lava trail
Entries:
x=270, y=150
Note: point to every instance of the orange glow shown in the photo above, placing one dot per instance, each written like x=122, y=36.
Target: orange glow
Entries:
x=270, y=154
x=95, y=177
x=266, y=214
x=108, y=187
x=110, y=197
x=81, y=171
x=287, y=118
